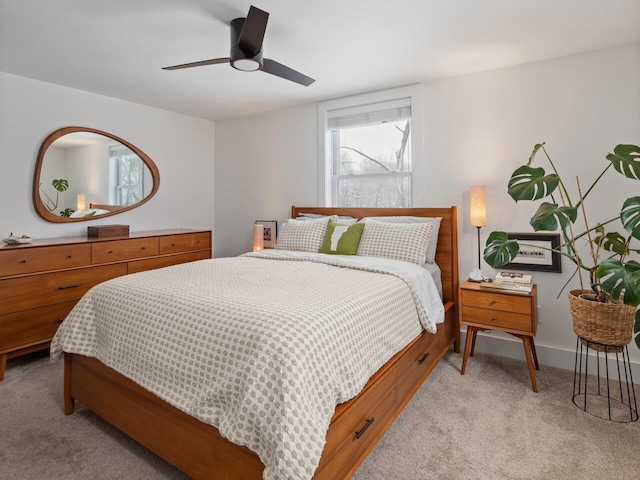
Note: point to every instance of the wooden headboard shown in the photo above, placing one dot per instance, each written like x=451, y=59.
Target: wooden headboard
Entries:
x=447, y=251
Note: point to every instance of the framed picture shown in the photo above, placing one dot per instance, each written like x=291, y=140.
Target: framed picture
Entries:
x=270, y=232
x=533, y=258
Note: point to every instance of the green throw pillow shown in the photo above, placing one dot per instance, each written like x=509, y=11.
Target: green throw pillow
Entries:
x=341, y=238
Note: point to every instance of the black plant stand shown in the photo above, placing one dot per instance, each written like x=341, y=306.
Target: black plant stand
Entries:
x=601, y=397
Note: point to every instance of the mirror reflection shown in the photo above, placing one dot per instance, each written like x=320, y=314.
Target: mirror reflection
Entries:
x=84, y=173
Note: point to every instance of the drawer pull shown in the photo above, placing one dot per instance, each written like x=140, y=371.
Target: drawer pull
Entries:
x=494, y=319
x=423, y=357
x=143, y=248
x=360, y=432
x=173, y=244
x=73, y=285
x=493, y=302
x=60, y=320
x=109, y=252
x=23, y=261
x=70, y=256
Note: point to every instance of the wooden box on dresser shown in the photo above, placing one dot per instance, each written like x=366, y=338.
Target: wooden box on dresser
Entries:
x=41, y=282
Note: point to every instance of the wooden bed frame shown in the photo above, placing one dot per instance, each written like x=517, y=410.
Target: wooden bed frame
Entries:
x=201, y=452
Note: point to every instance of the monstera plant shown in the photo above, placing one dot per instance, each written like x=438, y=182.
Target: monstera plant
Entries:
x=606, y=256
x=60, y=185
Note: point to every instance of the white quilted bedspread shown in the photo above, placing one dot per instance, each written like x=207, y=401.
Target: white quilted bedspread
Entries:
x=262, y=349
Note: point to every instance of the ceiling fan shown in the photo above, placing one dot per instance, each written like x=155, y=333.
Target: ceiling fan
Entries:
x=247, y=35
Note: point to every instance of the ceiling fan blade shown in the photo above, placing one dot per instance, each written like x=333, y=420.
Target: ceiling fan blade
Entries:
x=282, y=71
x=202, y=63
x=253, y=30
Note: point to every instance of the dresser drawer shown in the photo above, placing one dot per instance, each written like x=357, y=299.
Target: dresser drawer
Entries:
x=119, y=250
x=380, y=406
x=159, y=262
x=22, y=260
x=184, y=242
x=497, y=318
x=25, y=293
x=32, y=326
x=510, y=302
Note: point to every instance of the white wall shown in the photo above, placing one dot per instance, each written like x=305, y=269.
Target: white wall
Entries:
x=477, y=130
x=270, y=163
x=182, y=147
x=483, y=126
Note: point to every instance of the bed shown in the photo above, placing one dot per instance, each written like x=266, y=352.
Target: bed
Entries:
x=201, y=451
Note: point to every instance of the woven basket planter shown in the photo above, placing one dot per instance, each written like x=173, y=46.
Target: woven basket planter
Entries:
x=609, y=324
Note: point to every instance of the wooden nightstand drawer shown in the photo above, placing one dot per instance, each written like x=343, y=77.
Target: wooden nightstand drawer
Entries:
x=497, y=319
x=22, y=260
x=511, y=302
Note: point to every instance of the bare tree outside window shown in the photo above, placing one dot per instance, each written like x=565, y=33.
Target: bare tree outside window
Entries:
x=129, y=176
x=372, y=165
x=130, y=180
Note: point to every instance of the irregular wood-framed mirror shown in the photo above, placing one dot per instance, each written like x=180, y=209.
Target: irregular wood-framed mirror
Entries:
x=82, y=174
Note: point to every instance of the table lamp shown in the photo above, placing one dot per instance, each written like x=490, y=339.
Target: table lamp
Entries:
x=478, y=218
x=258, y=237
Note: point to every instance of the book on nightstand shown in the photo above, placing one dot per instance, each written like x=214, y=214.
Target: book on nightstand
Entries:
x=513, y=277
x=512, y=287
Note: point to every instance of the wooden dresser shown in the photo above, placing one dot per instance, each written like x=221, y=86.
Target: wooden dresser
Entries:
x=41, y=282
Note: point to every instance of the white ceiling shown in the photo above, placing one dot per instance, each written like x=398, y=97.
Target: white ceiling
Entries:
x=117, y=47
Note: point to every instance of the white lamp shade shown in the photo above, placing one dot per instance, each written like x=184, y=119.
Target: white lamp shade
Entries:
x=81, y=204
x=478, y=206
x=258, y=237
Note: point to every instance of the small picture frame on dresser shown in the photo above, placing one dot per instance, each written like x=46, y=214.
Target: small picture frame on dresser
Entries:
x=270, y=232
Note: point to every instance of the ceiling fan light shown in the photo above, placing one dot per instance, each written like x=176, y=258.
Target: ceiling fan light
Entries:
x=246, y=65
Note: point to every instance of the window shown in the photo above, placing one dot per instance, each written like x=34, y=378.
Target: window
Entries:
x=128, y=176
x=368, y=154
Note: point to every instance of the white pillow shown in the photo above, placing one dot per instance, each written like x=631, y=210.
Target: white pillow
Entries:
x=314, y=216
x=302, y=235
x=398, y=241
x=433, y=240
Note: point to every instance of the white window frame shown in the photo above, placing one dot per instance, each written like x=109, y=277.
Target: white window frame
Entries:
x=117, y=152
x=368, y=101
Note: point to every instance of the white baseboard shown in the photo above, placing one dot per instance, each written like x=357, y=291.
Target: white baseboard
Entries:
x=550, y=356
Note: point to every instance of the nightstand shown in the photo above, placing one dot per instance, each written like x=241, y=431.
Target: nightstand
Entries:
x=503, y=310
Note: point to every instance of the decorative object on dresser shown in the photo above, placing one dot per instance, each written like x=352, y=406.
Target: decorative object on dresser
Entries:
x=41, y=282
x=506, y=311
x=87, y=155
x=356, y=425
x=17, y=239
x=106, y=231
x=608, y=258
x=269, y=232
x=258, y=237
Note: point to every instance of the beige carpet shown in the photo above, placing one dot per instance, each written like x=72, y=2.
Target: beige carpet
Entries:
x=487, y=424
